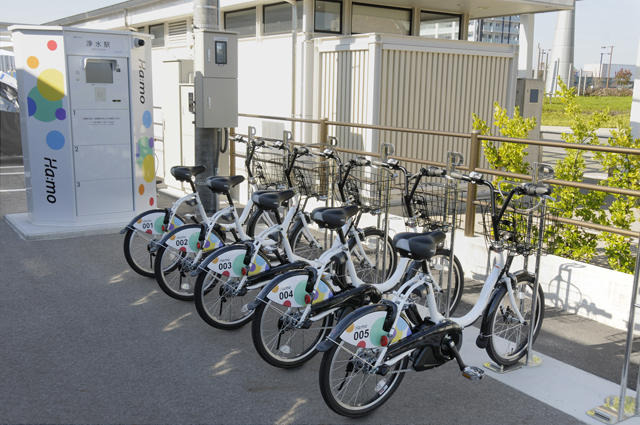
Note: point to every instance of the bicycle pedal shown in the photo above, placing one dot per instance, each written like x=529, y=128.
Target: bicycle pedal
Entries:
x=473, y=373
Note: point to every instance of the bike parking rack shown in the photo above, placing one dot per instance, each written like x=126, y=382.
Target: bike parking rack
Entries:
x=612, y=411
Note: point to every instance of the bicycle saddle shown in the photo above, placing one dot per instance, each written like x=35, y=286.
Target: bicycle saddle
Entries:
x=221, y=184
x=418, y=246
x=271, y=200
x=333, y=217
x=184, y=173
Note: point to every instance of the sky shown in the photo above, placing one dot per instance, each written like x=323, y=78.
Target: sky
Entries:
x=598, y=23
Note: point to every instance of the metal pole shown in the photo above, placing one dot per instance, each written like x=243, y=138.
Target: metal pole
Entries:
x=294, y=49
x=536, y=285
x=451, y=184
x=609, y=69
x=629, y=344
x=207, y=141
x=474, y=158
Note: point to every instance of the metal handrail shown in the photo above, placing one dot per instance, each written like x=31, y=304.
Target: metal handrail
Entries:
x=475, y=137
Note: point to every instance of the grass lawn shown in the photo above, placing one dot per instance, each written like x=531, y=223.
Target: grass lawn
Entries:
x=619, y=109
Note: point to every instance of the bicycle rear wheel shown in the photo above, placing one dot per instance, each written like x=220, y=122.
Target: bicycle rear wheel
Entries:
x=137, y=251
x=279, y=341
x=348, y=384
x=508, y=337
x=173, y=269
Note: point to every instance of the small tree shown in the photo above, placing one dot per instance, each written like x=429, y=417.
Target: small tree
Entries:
x=506, y=156
x=623, y=78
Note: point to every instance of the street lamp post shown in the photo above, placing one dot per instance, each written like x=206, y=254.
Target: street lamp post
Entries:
x=610, y=61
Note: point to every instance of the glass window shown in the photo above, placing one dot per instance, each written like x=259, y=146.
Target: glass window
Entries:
x=158, y=35
x=277, y=18
x=439, y=25
x=388, y=20
x=328, y=16
x=241, y=21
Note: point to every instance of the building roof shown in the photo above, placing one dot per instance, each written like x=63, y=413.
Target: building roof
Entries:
x=107, y=10
x=474, y=8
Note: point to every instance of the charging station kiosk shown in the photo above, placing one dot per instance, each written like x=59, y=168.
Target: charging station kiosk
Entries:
x=86, y=116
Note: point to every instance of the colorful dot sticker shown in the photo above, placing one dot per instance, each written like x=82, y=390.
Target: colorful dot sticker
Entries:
x=52, y=45
x=32, y=62
x=51, y=84
x=141, y=189
x=61, y=114
x=31, y=106
x=151, y=202
x=55, y=140
x=148, y=168
x=42, y=109
x=146, y=119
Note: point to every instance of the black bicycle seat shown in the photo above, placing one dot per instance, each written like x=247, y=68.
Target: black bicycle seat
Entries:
x=271, y=200
x=418, y=246
x=333, y=217
x=184, y=173
x=221, y=184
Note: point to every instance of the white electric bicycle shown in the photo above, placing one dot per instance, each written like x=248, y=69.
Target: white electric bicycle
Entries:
x=368, y=352
x=230, y=277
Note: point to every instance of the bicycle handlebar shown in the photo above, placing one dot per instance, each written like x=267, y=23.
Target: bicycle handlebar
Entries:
x=533, y=189
x=360, y=161
x=433, y=171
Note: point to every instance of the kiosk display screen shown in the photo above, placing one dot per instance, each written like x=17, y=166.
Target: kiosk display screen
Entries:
x=99, y=71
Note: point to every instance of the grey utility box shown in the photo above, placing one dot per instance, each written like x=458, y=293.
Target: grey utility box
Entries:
x=216, y=79
x=529, y=98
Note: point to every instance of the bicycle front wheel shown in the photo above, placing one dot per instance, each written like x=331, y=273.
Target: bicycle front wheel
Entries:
x=374, y=262
x=348, y=383
x=508, y=337
x=309, y=241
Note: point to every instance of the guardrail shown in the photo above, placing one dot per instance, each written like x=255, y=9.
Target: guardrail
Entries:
x=605, y=413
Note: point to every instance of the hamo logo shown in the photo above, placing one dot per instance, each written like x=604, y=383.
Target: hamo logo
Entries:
x=141, y=69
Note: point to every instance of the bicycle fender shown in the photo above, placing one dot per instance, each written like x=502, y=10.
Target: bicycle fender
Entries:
x=290, y=290
x=363, y=295
x=187, y=239
x=363, y=328
x=229, y=261
x=151, y=222
x=485, y=327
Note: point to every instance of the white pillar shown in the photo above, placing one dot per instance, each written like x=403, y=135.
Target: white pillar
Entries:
x=307, y=67
x=563, y=46
x=525, y=54
x=635, y=105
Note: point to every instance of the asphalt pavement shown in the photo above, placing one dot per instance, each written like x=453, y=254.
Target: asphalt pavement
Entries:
x=87, y=340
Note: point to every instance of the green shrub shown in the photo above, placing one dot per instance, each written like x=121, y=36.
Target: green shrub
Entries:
x=623, y=172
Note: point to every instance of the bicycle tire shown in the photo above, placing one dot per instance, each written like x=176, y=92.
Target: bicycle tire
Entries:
x=130, y=254
x=371, y=232
x=160, y=272
x=327, y=387
x=500, y=314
